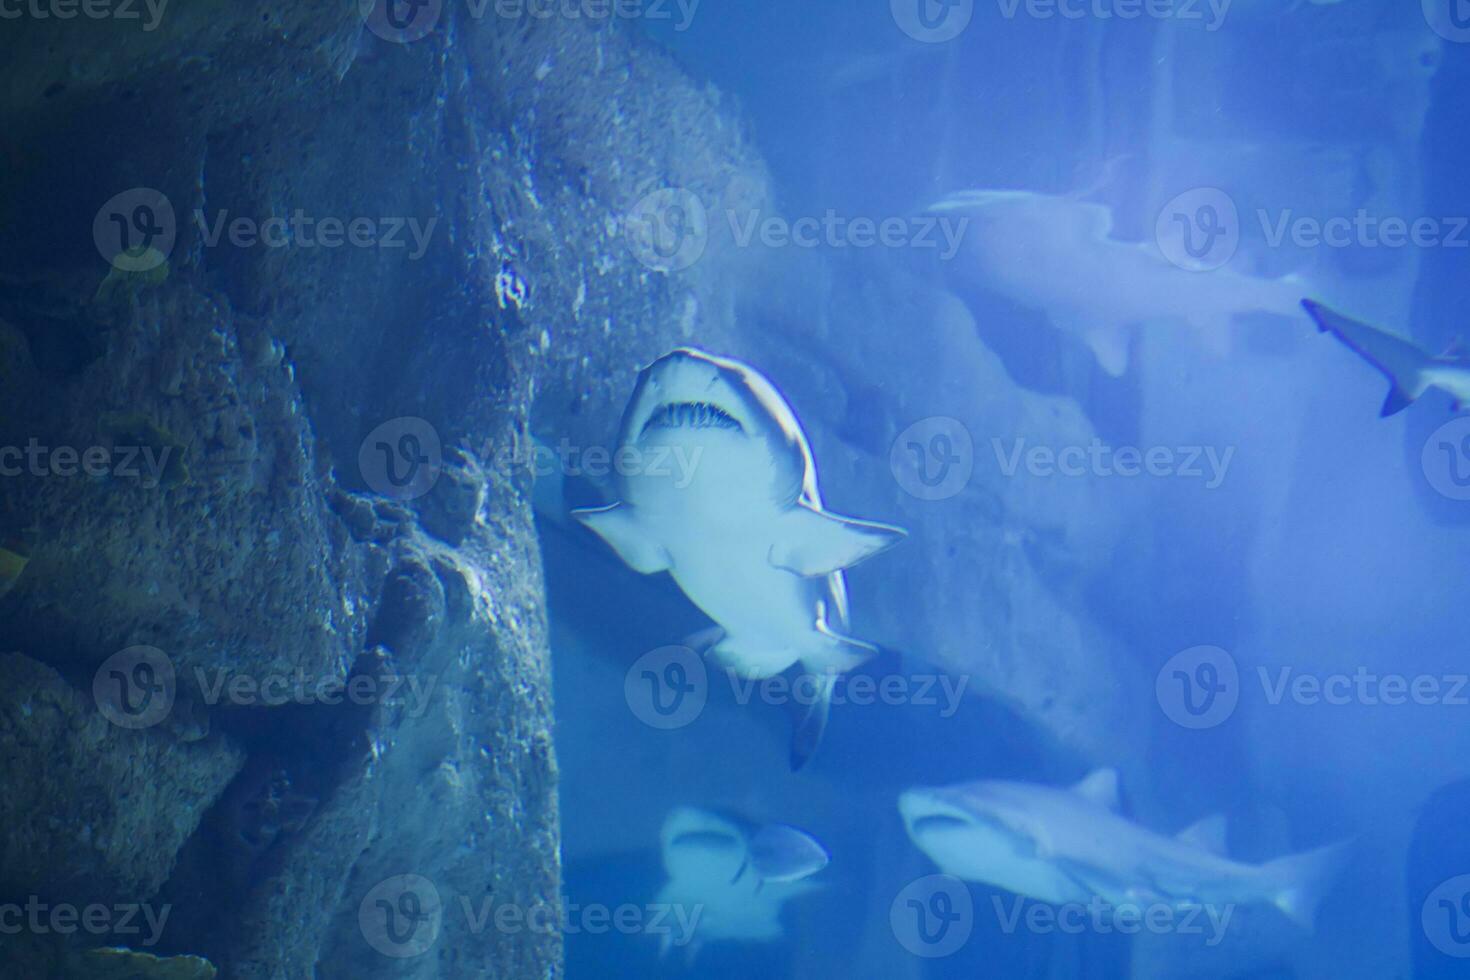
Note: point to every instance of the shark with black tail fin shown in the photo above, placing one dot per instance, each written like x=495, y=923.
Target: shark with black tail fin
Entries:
x=739, y=523
x=1411, y=370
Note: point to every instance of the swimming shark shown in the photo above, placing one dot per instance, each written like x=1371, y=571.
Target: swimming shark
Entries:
x=728, y=878
x=741, y=526
x=1411, y=370
x=1056, y=255
x=1072, y=845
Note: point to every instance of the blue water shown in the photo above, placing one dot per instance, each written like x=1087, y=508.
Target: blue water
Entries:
x=1334, y=549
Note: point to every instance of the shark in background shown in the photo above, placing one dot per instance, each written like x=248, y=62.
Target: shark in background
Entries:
x=1411, y=370
x=1056, y=255
x=1069, y=845
x=730, y=878
x=740, y=527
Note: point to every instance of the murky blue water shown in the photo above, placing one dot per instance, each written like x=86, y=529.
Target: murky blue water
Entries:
x=1169, y=534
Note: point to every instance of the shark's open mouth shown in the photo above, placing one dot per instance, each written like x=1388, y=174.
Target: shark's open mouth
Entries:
x=691, y=415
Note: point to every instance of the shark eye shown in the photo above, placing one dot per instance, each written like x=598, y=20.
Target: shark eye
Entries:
x=691, y=415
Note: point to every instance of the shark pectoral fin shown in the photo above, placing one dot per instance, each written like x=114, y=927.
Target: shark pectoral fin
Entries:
x=812, y=542
x=1209, y=835
x=620, y=529
x=1100, y=787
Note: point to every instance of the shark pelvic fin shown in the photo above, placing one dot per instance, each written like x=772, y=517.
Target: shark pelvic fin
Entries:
x=620, y=529
x=1209, y=835
x=843, y=653
x=813, y=542
x=1100, y=787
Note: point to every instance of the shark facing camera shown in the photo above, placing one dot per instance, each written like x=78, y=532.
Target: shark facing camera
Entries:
x=743, y=532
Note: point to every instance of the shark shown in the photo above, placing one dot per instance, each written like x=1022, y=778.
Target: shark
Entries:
x=1072, y=845
x=729, y=878
x=1055, y=254
x=1411, y=370
x=741, y=527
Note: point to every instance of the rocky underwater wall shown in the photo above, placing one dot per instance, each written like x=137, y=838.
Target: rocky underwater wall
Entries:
x=276, y=668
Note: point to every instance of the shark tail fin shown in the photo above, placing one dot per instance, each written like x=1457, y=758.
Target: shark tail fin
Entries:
x=1398, y=400
x=1303, y=879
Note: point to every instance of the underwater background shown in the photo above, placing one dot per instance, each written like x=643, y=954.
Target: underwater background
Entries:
x=318, y=328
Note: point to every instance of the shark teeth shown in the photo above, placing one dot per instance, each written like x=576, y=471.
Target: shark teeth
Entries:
x=691, y=415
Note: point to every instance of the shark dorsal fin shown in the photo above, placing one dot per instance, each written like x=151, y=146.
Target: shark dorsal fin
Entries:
x=1100, y=787
x=1208, y=835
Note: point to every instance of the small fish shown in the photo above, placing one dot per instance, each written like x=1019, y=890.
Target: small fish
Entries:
x=735, y=875
x=1411, y=370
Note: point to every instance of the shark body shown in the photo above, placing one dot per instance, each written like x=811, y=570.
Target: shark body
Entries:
x=1056, y=255
x=1411, y=370
x=731, y=878
x=741, y=529
x=1069, y=845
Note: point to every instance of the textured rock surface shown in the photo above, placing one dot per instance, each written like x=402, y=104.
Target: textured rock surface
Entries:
x=266, y=551
x=131, y=798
